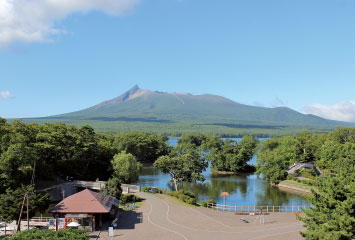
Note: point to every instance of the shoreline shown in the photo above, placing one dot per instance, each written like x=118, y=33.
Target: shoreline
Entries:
x=293, y=188
x=229, y=173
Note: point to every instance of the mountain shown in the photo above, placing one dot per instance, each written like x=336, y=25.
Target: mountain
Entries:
x=140, y=105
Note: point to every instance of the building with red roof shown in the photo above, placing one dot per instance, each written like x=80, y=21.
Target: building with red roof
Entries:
x=87, y=208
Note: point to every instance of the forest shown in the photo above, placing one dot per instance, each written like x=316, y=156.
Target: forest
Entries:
x=333, y=198
x=43, y=155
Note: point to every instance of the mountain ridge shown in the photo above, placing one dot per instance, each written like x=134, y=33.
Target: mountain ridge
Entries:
x=138, y=103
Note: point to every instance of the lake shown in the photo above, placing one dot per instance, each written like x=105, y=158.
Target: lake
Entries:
x=244, y=189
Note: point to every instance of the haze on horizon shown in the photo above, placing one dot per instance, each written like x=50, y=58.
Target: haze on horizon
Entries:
x=67, y=56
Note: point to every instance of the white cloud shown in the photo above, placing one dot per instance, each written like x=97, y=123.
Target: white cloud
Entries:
x=343, y=111
x=36, y=20
x=5, y=94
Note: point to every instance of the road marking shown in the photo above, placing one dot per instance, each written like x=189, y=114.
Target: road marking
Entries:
x=151, y=209
x=221, y=231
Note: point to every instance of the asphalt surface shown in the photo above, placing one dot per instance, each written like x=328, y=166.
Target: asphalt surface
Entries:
x=161, y=219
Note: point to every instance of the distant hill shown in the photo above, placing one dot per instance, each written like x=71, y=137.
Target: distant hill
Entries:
x=153, y=106
x=174, y=113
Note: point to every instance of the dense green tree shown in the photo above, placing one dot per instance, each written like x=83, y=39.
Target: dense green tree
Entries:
x=145, y=147
x=275, y=156
x=125, y=167
x=191, y=142
x=113, y=186
x=64, y=149
x=332, y=215
x=232, y=156
x=11, y=202
x=182, y=167
x=66, y=234
x=343, y=135
x=17, y=156
x=50, y=151
x=307, y=146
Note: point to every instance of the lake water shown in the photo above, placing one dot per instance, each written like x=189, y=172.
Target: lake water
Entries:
x=244, y=189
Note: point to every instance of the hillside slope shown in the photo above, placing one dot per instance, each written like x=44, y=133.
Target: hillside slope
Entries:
x=145, y=105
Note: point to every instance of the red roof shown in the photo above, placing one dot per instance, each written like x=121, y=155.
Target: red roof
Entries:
x=86, y=201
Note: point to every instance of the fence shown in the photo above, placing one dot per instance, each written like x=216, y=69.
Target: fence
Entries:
x=97, y=185
x=40, y=219
x=127, y=188
x=256, y=209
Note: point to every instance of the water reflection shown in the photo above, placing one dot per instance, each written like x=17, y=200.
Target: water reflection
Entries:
x=244, y=189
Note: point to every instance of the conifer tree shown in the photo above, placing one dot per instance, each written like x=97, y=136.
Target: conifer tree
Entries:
x=333, y=213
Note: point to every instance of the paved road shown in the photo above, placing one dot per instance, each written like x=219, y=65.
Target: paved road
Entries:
x=159, y=219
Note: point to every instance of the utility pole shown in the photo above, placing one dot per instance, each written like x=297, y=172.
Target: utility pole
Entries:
x=19, y=218
x=28, y=221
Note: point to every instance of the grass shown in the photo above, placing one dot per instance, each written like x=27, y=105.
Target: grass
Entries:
x=298, y=184
x=175, y=200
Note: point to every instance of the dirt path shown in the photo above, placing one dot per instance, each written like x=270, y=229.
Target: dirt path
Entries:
x=161, y=219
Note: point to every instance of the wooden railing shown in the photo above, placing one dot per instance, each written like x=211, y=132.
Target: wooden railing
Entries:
x=256, y=209
x=40, y=219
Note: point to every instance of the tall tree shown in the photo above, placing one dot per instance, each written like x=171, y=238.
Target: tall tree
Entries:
x=332, y=215
x=125, y=167
x=232, y=156
x=11, y=202
x=113, y=186
x=186, y=166
x=145, y=147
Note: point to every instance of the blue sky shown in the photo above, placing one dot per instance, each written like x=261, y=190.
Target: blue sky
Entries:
x=68, y=56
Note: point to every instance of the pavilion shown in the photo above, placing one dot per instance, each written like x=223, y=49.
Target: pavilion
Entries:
x=88, y=208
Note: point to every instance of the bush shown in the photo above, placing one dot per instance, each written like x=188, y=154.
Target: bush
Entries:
x=149, y=189
x=211, y=201
x=290, y=177
x=66, y=234
x=146, y=189
x=309, y=182
x=307, y=173
x=186, y=197
x=205, y=203
x=129, y=198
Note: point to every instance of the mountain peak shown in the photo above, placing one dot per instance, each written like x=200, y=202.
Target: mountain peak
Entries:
x=130, y=94
x=134, y=89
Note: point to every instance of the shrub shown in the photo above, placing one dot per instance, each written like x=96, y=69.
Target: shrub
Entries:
x=191, y=201
x=290, y=177
x=307, y=173
x=129, y=198
x=309, y=182
x=205, y=203
x=146, y=189
x=149, y=189
x=186, y=197
x=66, y=234
x=211, y=201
